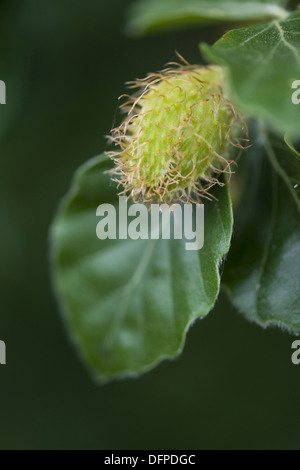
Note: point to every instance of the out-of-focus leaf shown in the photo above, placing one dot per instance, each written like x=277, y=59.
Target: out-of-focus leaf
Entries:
x=262, y=273
x=148, y=15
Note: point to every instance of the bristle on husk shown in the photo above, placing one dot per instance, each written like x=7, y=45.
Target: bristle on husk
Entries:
x=178, y=136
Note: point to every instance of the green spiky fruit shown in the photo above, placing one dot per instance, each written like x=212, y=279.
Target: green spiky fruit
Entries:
x=178, y=136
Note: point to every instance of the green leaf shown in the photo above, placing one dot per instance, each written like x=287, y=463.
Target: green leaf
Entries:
x=128, y=304
x=263, y=61
x=262, y=274
x=148, y=15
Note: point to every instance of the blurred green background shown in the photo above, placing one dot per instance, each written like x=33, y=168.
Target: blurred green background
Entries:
x=65, y=63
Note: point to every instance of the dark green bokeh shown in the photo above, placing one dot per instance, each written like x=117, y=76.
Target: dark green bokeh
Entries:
x=64, y=63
